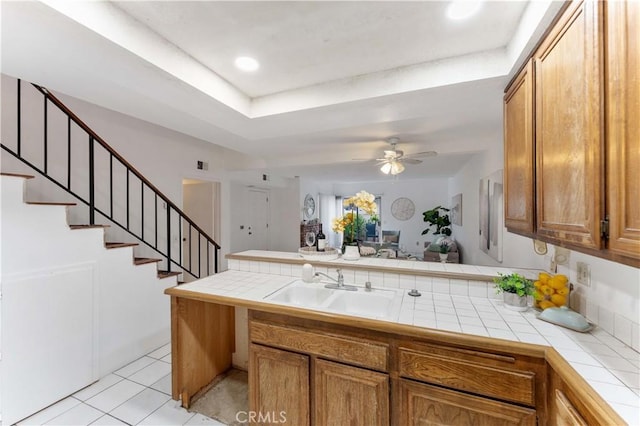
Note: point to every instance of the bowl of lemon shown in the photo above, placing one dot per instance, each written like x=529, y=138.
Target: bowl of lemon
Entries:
x=552, y=291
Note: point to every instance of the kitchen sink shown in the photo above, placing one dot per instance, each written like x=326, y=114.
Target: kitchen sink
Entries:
x=377, y=303
x=301, y=293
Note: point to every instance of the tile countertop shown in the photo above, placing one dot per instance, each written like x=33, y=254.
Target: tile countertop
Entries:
x=608, y=365
x=453, y=270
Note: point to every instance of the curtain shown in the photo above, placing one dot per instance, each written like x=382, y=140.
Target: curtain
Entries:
x=330, y=208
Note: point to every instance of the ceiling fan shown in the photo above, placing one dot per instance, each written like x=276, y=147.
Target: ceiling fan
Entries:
x=394, y=159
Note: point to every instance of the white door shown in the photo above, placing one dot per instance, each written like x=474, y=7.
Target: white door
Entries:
x=258, y=220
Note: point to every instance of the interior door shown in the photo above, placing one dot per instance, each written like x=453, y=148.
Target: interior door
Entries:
x=258, y=219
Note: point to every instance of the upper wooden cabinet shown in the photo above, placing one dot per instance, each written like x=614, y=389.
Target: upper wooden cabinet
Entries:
x=585, y=131
x=623, y=126
x=519, y=154
x=568, y=114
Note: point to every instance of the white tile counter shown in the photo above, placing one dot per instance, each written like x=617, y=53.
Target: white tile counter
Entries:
x=456, y=305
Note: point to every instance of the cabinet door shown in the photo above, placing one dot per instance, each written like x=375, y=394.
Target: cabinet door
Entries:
x=279, y=385
x=519, y=154
x=566, y=414
x=422, y=404
x=623, y=126
x=350, y=395
x=569, y=168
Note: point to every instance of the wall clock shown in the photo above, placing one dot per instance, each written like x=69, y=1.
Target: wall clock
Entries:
x=309, y=207
x=403, y=208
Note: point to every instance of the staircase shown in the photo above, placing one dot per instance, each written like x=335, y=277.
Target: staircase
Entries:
x=85, y=264
x=73, y=307
x=40, y=135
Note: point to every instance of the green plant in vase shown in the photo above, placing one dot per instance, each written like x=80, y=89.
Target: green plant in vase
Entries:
x=515, y=288
x=437, y=217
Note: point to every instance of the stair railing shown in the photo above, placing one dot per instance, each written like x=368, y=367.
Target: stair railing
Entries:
x=160, y=235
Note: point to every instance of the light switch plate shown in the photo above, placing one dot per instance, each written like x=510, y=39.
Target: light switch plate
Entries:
x=583, y=274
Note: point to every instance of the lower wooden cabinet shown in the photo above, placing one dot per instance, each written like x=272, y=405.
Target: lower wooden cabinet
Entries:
x=422, y=404
x=566, y=413
x=350, y=395
x=279, y=385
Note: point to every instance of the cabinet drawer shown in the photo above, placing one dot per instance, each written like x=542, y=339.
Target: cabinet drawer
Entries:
x=465, y=375
x=348, y=350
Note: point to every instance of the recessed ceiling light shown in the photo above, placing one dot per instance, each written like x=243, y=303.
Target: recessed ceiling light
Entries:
x=246, y=63
x=462, y=9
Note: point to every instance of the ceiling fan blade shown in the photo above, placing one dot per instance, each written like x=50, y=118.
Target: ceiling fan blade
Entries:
x=422, y=154
x=410, y=160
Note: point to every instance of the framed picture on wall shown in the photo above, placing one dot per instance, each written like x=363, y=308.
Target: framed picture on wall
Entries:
x=456, y=210
x=491, y=215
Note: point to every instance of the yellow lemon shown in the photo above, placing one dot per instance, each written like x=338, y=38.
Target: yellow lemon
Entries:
x=563, y=291
x=537, y=284
x=555, y=283
x=562, y=278
x=545, y=289
x=546, y=304
x=558, y=299
x=543, y=277
x=538, y=296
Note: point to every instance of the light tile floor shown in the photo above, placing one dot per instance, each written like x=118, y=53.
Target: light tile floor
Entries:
x=139, y=393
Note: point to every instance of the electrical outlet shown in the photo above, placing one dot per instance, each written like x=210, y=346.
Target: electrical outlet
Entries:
x=584, y=274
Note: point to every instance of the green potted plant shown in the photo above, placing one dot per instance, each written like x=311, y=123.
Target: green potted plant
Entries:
x=439, y=218
x=514, y=288
x=444, y=248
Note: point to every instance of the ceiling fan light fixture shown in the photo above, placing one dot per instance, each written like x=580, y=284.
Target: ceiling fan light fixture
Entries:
x=386, y=168
x=396, y=168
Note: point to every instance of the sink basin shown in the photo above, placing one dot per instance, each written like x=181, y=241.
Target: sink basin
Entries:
x=377, y=303
x=300, y=293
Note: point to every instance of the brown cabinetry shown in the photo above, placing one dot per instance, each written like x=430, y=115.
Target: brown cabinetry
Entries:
x=585, y=85
x=279, y=384
x=349, y=375
x=623, y=126
x=425, y=404
x=519, y=154
x=568, y=83
x=350, y=395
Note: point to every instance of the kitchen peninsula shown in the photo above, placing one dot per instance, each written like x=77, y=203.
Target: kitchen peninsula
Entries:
x=454, y=352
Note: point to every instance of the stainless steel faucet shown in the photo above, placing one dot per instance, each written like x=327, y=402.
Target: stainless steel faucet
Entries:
x=339, y=283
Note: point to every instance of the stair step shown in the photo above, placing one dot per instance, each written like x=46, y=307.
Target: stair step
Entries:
x=167, y=274
x=88, y=226
x=17, y=175
x=50, y=203
x=144, y=260
x=119, y=245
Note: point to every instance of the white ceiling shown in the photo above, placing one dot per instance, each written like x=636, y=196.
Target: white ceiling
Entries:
x=336, y=78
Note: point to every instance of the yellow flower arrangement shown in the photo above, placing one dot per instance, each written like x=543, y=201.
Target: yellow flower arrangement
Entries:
x=351, y=222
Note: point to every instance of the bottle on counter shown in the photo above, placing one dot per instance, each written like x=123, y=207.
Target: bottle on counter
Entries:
x=321, y=239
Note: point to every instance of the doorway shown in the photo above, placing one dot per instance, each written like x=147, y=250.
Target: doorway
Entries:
x=201, y=202
x=258, y=219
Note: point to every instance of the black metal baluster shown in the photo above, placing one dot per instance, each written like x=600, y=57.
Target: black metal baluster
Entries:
x=19, y=133
x=199, y=255
x=142, y=209
x=180, y=238
x=215, y=261
x=127, y=203
x=46, y=141
x=155, y=222
x=190, y=256
x=92, y=206
x=111, y=185
x=68, y=152
x=168, y=237
x=208, y=263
